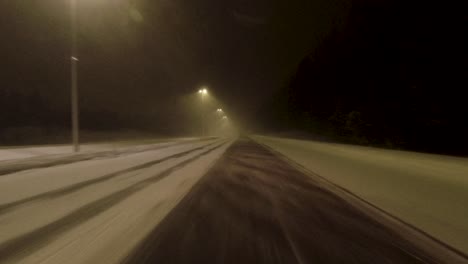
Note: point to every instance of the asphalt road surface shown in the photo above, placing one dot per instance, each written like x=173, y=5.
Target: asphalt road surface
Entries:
x=253, y=207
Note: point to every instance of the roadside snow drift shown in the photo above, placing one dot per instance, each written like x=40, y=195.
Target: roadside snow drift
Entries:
x=427, y=191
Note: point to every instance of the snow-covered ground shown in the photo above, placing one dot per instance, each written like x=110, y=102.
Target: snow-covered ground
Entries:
x=96, y=211
x=22, y=152
x=427, y=191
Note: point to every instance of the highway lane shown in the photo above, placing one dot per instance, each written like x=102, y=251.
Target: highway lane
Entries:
x=95, y=211
x=24, y=184
x=51, y=160
x=253, y=207
x=427, y=191
x=206, y=201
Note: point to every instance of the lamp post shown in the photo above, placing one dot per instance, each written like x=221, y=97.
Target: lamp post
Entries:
x=74, y=79
x=203, y=92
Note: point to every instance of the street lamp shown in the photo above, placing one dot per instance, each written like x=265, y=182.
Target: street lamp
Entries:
x=219, y=110
x=74, y=78
x=203, y=92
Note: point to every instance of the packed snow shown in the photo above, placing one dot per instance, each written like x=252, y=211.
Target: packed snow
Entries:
x=427, y=191
x=24, y=152
x=103, y=235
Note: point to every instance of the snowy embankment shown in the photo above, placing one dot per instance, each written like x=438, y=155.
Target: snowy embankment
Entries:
x=427, y=191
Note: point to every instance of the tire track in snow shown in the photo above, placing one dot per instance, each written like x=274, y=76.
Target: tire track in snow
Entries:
x=33, y=164
x=16, y=248
x=254, y=207
x=4, y=208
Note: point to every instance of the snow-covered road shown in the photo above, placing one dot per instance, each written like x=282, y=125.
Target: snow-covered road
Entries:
x=96, y=210
x=15, y=153
x=208, y=200
x=427, y=191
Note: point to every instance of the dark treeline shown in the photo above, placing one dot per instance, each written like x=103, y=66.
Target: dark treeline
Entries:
x=394, y=76
x=25, y=114
x=27, y=117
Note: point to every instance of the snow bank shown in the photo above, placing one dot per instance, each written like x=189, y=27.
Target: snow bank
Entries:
x=425, y=190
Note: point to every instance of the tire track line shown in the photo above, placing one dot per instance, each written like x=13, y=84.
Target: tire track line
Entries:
x=4, y=208
x=84, y=157
x=16, y=248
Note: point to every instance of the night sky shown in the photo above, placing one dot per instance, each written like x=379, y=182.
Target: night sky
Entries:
x=137, y=56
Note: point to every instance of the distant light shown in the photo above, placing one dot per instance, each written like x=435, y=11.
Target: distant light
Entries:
x=74, y=58
x=219, y=110
x=203, y=91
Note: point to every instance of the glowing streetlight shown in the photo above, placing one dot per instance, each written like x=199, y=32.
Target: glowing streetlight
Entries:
x=219, y=110
x=203, y=92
